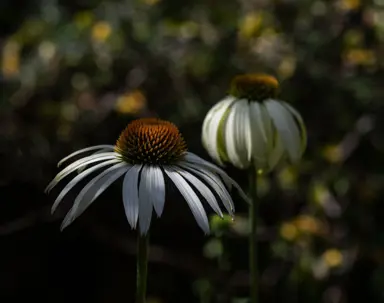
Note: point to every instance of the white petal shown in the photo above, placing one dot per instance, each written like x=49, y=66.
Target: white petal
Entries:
x=267, y=126
x=194, y=159
x=77, y=179
x=303, y=131
x=238, y=135
x=277, y=153
x=191, y=198
x=286, y=127
x=95, y=153
x=214, y=181
x=261, y=128
x=202, y=189
x=108, y=147
x=156, y=187
x=131, y=195
x=92, y=190
x=78, y=164
x=201, y=164
x=211, y=127
x=151, y=193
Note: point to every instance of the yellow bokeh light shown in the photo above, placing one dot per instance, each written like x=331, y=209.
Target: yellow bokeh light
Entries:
x=333, y=153
x=349, y=4
x=101, y=31
x=287, y=67
x=131, y=103
x=250, y=25
x=288, y=231
x=307, y=224
x=83, y=19
x=10, y=63
x=360, y=57
x=333, y=257
x=320, y=194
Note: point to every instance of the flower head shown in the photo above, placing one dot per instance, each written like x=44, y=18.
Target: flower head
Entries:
x=254, y=87
x=151, y=141
x=147, y=152
x=250, y=126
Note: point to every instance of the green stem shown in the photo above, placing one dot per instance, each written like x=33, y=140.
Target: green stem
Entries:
x=253, y=216
x=142, y=266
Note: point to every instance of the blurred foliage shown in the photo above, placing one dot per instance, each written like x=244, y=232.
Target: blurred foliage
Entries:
x=74, y=73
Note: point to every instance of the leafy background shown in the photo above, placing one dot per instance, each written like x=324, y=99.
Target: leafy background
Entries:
x=74, y=73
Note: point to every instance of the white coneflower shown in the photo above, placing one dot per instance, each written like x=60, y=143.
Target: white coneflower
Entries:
x=252, y=126
x=147, y=151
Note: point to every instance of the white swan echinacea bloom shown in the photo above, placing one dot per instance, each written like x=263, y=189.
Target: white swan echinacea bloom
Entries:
x=147, y=151
x=250, y=126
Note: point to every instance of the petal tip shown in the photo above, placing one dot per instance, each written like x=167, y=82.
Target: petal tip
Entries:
x=144, y=232
x=64, y=225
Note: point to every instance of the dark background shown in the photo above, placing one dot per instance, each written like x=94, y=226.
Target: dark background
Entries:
x=74, y=73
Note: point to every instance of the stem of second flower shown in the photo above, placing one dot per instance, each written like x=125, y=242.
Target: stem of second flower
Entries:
x=253, y=217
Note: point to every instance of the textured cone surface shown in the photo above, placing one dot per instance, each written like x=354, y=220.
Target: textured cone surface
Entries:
x=151, y=141
x=254, y=87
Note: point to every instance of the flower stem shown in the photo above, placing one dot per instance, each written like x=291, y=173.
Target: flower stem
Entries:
x=253, y=216
x=142, y=266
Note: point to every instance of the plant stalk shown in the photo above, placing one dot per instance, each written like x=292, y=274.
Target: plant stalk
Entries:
x=253, y=216
x=142, y=267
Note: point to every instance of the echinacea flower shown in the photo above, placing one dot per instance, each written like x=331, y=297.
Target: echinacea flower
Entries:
x=147, y=152
x=251, y=126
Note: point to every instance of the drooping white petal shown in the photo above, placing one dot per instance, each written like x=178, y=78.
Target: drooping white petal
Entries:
x=77, y=179
x=78, y=164
x=303, y=130
x=238, y=134
x=156, y=186
x=203, y=165
x=277, y=152
x=131, y=194
x=259, y=135
x=191, y=198
x=211, y=125
x=286, y=127
x=194, y=159
x=107, y=147
x=214, y=181
x=95, y=153
x=92, y=190
x=151, y=194
x=267, y=126
x=202, y=189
